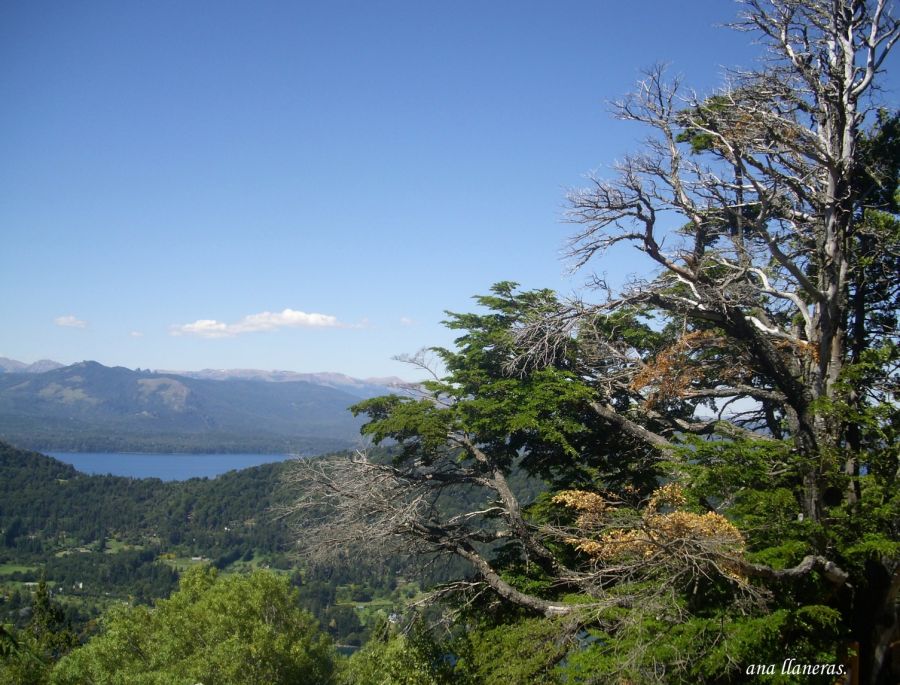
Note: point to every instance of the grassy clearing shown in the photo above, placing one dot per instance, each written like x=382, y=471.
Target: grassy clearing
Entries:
x=114, y=546
x=181, y=564
x=6, y=569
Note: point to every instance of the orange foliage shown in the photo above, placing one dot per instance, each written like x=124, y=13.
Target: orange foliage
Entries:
x=678, y=530
x=671, y=371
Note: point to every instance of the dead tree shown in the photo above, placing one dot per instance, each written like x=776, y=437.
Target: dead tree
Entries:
x=755, y=206
x=773, y=282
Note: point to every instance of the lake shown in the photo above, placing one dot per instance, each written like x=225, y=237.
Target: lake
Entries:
x=164, y=466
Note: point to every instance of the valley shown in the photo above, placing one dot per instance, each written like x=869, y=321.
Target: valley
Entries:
x=99, y=541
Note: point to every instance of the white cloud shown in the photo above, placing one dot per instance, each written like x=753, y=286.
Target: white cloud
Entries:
x=205, y=328
x=69, y=321
x=136, y=334
x=264, y=321
x=406, y=321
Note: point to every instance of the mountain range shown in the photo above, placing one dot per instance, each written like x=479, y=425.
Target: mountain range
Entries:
x=13, y=366
x=91, y=407
x=361, y=387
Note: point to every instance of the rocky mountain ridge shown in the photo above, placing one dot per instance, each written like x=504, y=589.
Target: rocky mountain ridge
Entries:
x=91, y=407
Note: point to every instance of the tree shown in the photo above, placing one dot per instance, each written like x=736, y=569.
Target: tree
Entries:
x=235, y=629
x=408, y=657
x=720, y=439
x=784, y=280
x=27, y=656
x=448, y=490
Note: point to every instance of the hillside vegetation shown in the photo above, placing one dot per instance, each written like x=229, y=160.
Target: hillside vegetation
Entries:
x=100, y=540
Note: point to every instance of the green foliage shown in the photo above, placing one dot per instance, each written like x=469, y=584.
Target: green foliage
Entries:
x=42, y=499
x=397, y=658
x=20, y=665
x=105, y=539
x=758, y=481
x=28, y=655
x=715, y=649
x=539, y=419
x=710, y=629
x=235, y=629
x=60, y=521
x=775, y=311
x=524, y=651
x=48, y=625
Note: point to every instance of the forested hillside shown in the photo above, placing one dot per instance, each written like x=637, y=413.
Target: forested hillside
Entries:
x=64, y=525
x=99, y=539
x=90, y=407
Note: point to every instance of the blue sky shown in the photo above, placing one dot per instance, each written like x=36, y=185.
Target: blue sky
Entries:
x=305, y=186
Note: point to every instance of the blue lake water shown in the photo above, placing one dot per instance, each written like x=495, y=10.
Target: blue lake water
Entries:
x=164, y=466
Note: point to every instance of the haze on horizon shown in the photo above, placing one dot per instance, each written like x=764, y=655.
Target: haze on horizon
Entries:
x=302, y=186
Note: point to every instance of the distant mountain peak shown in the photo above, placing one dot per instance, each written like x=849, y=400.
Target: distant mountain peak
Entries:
x=88, y=403
x=363, y=388
x=40, y=366
x=389, y=381
x=359, y=387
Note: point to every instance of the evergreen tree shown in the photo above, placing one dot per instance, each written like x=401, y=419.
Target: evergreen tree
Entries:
x=720, y=439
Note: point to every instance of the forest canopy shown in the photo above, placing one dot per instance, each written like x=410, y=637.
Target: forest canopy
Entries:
x=234, y=629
